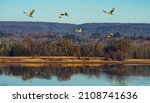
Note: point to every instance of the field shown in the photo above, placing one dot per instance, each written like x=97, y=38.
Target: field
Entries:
x=65, y=59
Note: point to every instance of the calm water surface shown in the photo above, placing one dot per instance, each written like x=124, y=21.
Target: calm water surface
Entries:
x=74, y=75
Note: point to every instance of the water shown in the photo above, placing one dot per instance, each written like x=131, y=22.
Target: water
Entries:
x=74, y=75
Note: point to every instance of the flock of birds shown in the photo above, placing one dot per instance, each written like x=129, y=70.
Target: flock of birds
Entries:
x=65, y=14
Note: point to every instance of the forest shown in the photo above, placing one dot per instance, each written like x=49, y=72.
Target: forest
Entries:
x=115, y=48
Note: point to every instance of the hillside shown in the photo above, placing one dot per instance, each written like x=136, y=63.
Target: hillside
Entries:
x=18, y=31
x=102, y=28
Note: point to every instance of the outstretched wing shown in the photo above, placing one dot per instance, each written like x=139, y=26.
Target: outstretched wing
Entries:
x=76, y=30
x=82, y=29
x=31, y=13
x=104, y=11
x=112, y=10
x=60, y=15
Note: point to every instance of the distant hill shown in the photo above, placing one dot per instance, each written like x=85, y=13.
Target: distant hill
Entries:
x=61, y=28
x=24, y=27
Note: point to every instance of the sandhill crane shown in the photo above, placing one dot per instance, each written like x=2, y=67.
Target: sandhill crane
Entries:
x=30, y=13
x=80, y=30
x=109, y=12
x=110, y=35
x=63, y=14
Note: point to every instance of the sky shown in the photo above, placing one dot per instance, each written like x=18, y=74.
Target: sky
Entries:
x=80, y=11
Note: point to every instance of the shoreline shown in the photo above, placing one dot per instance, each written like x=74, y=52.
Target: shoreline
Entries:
x=68, y=59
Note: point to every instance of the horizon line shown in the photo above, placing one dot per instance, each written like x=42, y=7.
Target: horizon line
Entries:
x=80, y=23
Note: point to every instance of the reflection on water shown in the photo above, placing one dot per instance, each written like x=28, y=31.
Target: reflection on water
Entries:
x=74, y=74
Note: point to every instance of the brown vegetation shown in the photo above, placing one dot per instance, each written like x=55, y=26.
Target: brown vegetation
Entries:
x=114, y=49
x=67, y=59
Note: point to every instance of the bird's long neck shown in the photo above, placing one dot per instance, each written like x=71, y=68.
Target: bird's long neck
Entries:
x=24, y=12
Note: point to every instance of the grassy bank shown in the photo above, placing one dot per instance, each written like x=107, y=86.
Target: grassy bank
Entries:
x=65, y=59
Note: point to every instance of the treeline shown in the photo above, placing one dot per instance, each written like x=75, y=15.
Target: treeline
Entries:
x=117, y=49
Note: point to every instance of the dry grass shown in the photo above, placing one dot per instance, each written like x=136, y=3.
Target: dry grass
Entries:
x=81, y=65
x=27, y=64
x=66, y=59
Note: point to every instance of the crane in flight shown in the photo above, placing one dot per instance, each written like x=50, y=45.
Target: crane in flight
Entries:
x=80, y=30
x=110, y=35
x=30, y=13
x=63, y=14
x=109, y=12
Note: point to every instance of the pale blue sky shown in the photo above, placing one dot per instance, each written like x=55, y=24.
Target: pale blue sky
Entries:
x=80, y=11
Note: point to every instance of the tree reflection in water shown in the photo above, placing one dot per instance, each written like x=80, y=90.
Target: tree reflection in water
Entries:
x=120, y=72
x=117, y=72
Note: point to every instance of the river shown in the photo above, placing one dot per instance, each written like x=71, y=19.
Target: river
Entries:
x=23, y=74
